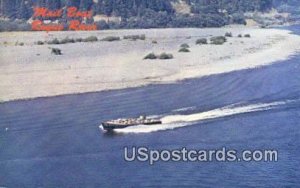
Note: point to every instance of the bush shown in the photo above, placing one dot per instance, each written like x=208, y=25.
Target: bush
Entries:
x=143, y=37
x=79, y=40
x=228, y=34
x=19, y=43
x=165, y=56
x=67, y=40
x=135, y=37
x=150, y=56
x=90, y=39
x=184, y=50
x=201, y=41
x=11, y=25
x=247, y=35
x=40, y=43
x=263, y=26
x=54, y=41
x=238, y=18
x=111, y=39
x=219, y=40
x=240, y=36
x=185, y=45
x=56, y=51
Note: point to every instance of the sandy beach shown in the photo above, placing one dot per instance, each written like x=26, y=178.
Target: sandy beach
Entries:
x=31, y=71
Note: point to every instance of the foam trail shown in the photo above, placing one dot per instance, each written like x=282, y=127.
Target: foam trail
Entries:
x=221, y=112
x=184, y=109
x=177, y=121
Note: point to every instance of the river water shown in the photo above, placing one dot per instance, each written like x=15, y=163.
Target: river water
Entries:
x=57, y=142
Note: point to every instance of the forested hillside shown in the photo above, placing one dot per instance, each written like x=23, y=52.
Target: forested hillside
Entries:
x=292, y=6
x=152, y=13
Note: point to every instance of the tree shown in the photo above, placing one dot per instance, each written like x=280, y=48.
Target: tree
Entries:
x=23, y=12
x=53, y=4
x=86, y=4
x=73, y=3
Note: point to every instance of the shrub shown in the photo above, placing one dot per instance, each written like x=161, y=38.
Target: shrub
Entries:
x=185, y=45
x=19, y=43
x=40, y=43
x=131, y=37
x=67, y=40
x=240, y=35
x=201, y=41
x=184, y=50
x=79, y=40
x=56, y=51
x=150, y=56
x=165, y=56
x=135, y=37
x=72, y=41
x=90, y=39
x=143, y=37
x=263, y=26
x=54, y=41
x=111, y=39
x=247, y=35
x=219, y=40
x=228, y=34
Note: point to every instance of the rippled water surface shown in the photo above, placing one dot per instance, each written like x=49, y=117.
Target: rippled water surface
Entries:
x=56, y=142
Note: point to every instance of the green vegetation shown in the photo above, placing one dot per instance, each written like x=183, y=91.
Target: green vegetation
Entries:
x=111, y=39
x=19, y=43
x=184, y=50
x=228, y=34
x=90, y=39
x=219, y=40
x=54, y=41
x=56, y=51
x=201, y=41
x=291, y=6
x=165, y=56
x=40, y=43
x=135, y=37
x=150, y=56
x=147, y=13
x=185, y=45
x=67, y=40
x=13, y=25
x=79, y=40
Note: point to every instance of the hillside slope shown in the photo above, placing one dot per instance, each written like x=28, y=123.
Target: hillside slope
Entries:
x=149, y=13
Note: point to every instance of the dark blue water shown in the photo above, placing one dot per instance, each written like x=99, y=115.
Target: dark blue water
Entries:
x=56, y=142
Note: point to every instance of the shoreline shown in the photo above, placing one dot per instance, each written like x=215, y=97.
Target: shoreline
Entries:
x=81, y=71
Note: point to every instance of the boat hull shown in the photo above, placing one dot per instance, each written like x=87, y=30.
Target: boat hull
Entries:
x=112, y=126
